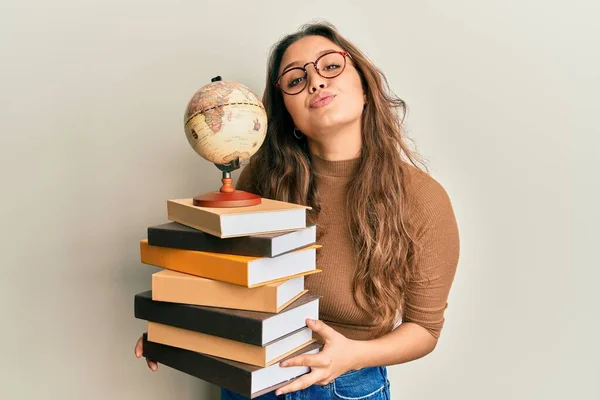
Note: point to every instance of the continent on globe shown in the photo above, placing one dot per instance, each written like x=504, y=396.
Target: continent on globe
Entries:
x=225, y=120
x=211, y=104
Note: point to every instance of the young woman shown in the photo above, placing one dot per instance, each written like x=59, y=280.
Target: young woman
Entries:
x=389, y=235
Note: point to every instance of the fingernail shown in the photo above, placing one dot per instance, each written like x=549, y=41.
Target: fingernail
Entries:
x=284, y=364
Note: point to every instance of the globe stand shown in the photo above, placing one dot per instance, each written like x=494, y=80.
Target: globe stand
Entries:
x=227, y=196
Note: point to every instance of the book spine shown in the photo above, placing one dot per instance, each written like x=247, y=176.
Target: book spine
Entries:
x=200, y=241
x=194, y=290
x=197, y=263
x=210, y=223
x=207, y=368
x=199, y=319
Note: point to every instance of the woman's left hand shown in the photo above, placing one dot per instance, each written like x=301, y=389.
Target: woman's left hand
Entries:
x=337, y=357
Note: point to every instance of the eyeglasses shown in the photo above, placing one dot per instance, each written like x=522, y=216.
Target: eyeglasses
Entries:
x=328, y=65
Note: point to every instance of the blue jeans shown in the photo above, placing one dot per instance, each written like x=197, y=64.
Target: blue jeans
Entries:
x=364, y=384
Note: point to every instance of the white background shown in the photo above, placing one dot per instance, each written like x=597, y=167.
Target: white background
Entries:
x=503, y=100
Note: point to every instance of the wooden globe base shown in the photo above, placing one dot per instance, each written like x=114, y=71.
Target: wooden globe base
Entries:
x=238, y=198
x=227, y=196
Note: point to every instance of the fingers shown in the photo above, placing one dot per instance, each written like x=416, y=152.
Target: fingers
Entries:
x=319, y=360
x=152, y=364
x=139, y=347
x=139, y=351
x=324, y=330
x=301, y=383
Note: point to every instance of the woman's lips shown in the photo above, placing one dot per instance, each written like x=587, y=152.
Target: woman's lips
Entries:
x=322, y=102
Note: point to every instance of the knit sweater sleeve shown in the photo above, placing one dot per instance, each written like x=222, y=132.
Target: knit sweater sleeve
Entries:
x=426, y=295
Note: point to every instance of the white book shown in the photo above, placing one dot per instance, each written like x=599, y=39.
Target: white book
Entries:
x=266, y=217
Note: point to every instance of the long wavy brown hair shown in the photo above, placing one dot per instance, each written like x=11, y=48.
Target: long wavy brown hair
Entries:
x=377, y=200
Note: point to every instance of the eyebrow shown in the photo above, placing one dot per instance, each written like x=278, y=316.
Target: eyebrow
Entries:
x=297, y=62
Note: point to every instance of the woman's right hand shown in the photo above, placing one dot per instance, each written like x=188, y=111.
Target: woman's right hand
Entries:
x=139, y=351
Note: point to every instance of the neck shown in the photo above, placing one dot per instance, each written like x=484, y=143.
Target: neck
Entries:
x=339, y=146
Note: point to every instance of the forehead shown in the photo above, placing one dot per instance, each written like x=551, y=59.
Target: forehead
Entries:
x=305, y=50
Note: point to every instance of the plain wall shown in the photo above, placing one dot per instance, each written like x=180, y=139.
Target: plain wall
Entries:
x=503, y=101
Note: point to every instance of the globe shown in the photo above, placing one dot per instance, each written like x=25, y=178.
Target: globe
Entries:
x=225, y=122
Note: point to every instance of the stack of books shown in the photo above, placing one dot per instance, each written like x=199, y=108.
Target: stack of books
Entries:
x=229, y=302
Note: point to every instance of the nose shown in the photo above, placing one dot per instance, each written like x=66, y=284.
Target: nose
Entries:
x=313, y=88
x=314, y=79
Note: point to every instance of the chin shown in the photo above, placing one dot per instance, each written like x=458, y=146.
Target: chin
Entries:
x=335, y=116
x=337, y=122
x=331, y=129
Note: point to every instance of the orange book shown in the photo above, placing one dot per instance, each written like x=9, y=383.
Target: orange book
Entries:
x=240, y=270
x=217, y=346
x=176, y=287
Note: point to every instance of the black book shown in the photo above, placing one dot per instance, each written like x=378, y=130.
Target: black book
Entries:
x=176, y=235
x=248, y=380
x=253, y=327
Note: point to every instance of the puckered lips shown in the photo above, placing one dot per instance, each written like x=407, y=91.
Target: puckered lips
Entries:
x=321, y=99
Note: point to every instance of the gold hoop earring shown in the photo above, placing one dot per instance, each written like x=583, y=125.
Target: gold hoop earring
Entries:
x=296, y=134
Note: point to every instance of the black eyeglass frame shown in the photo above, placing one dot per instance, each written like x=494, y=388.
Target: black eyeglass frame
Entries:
x=345, y=54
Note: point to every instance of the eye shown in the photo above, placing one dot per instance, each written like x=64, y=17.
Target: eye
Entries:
x=294, y=82
x=332, y=66
x=293, y=77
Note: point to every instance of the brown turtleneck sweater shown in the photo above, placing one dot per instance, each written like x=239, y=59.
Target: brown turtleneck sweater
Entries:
x=436, y=227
